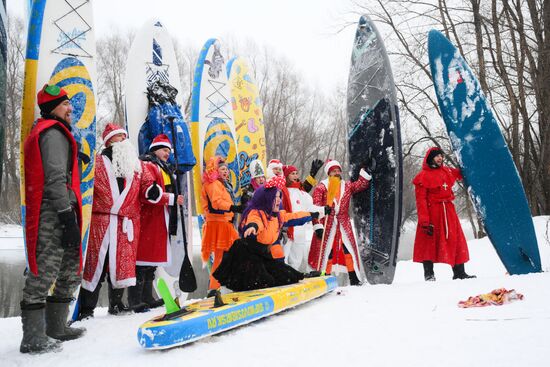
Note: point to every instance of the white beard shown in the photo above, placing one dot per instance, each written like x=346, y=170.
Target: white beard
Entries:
x=125, y=159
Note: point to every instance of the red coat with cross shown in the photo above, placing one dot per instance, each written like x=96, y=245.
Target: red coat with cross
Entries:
x=434, y=204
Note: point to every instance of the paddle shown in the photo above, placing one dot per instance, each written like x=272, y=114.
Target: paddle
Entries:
x=187, y=279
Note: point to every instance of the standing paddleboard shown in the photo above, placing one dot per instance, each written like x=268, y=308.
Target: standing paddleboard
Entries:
x=374, y=138
x=3, y=72
x=249, y=118
x=212, y=125
x=485, y=161
x=152, y=59
x=61, y=51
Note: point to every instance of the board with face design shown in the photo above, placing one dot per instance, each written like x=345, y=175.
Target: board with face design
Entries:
x=374, y=141
x=61, y=51
x=495, y=188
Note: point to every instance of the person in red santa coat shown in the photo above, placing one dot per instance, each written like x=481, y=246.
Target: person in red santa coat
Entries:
x=52, y=225
x=296, y=247
x=333, y=247
x=120, y=185
x=156, y=219
x=439, y=235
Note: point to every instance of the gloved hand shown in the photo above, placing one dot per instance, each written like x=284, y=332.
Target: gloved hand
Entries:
x=71, y=229
x=328, y=210
x=153, y=193
x=237, y=208
x=428, y=229
x=316, y=164
x=319, y=233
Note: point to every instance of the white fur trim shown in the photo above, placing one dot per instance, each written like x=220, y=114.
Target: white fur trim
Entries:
x=113, y=133
x=365, y=175
x=160, y=196
x=332, y=164
x=124, y=283
x=160, y=144
x=317, y=226
x=171, y=198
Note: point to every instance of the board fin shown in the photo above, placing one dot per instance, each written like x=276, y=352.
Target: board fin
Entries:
x=169, y=302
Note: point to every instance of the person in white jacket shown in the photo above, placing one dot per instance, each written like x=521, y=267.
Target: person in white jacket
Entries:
x=297, y=246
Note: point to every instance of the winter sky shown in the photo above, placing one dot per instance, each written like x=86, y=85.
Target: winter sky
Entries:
x=307, y=32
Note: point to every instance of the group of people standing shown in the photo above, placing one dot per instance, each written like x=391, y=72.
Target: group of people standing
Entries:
x=253, y=242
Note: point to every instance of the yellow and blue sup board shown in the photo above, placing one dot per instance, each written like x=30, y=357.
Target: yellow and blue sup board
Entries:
x=61, y=51
x=249, y=118
x=241, y=308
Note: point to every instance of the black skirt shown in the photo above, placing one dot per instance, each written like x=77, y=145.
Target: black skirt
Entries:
x=248, y=265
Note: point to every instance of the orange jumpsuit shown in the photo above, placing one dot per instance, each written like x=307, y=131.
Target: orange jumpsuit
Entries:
x=218, y=233
x=268, y=229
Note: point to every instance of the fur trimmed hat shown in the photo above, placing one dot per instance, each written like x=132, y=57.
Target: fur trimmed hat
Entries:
x=330, y=164
x=160, y=141
x=111, y=130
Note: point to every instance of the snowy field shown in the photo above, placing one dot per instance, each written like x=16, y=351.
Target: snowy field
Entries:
x=409, y=323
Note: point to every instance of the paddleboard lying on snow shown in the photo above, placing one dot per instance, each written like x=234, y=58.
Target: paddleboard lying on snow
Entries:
x=485, y=161
x=374, y=137
x=201, y=319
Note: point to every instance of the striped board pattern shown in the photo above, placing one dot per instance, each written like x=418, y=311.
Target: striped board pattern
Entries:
x=212, y=124
x=241, y=308
x=484, y=158
x=61, y=51
x=374, y=139
x=249, y=118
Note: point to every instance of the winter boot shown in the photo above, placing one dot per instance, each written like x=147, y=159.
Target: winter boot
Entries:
x=460, y=273
x=148, y=297
x=57, y=311
x=134, y=297
x=211, y=293
x=353, y=280
x=35, y=340
x=116, y=306
x=87, y=301
x=429, y=275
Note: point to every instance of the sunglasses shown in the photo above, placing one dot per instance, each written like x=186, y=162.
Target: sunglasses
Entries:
x=52, y=90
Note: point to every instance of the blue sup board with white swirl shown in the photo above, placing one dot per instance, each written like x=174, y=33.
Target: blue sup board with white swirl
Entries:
x=61, y=50
x=485, y=160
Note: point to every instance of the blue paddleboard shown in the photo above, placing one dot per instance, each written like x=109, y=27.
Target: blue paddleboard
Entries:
x=486, y=163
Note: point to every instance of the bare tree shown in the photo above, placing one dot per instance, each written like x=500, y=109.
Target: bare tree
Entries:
x=9, y=191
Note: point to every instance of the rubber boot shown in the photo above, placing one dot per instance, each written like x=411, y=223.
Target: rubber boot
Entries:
x=148, y=297
x=353, y=280
x=35, y=340
x=57, y=312
x=135, y=294
x=429, y=275
x=87, y=301
x=460, y=273
x=116, y=306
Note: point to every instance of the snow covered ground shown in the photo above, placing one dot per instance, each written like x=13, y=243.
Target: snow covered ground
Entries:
x=409, y=323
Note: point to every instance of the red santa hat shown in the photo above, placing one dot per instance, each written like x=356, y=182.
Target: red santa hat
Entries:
x=49, y=97
x=111, y=130
x=160, y=141
x=287, y=170
x=331, y=164
x=274, y=163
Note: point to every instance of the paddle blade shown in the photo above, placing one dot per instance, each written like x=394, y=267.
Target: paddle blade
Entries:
x=187, y=280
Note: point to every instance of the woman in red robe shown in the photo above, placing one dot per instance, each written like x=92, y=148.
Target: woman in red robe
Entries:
x=439, y=235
